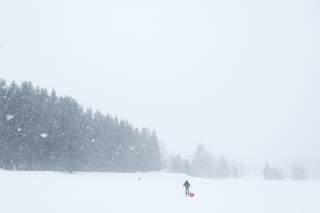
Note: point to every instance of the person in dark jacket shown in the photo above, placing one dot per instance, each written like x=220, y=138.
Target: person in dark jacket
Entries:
x=186, y=187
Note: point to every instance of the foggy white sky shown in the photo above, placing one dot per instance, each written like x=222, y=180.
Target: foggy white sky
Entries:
x=241, y=77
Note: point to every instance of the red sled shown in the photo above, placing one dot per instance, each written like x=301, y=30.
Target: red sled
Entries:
x=191, y=194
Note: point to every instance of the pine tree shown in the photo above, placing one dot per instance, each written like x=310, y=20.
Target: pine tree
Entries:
x=223, y=170
x=298, y=173
x=202, y=164
x=235, y=172
x=39, y=131
x=267, y=173
x=277, y=174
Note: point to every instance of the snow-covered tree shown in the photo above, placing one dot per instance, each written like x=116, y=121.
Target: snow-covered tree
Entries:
x=41, y=131
x=272, y=173
x=223, y=170
x=267, y=173
x=235, y=172
x=298, y=173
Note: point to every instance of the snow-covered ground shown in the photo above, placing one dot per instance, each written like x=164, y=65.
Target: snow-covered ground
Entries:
x=48, y=192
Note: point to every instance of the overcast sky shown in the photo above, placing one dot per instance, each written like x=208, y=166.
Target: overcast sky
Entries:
x=241, y=77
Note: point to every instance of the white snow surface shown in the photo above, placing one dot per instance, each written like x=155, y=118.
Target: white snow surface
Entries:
x=38, y=192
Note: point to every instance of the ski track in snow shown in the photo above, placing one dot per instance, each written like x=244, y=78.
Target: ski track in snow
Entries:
x=49, y=192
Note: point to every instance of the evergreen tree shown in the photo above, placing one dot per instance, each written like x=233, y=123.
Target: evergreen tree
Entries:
x=277, y=174
x=223, y=170
x=298, y=173
x=267, y=173
x=235, y=172
x=202, y=164
x=39, y=131
x=272, y=173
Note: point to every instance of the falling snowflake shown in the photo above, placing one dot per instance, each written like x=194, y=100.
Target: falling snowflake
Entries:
x=93, y=140
x=132, y=148
x=9, y=117
x=43, y=135
x=19, y=130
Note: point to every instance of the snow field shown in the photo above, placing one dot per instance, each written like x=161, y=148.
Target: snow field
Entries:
x=54, y=192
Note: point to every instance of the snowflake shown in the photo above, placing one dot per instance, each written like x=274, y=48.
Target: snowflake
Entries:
x=44, y=135
x=10, y=117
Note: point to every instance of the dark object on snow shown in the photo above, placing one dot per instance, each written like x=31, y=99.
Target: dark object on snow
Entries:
x=186, y=187
x=191, y=194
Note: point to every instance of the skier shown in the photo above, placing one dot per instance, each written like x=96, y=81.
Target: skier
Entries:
x=186, y=187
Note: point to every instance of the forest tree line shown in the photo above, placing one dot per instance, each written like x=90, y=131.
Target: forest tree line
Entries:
x=41, y=131
x=204, y=164
x=274, y=173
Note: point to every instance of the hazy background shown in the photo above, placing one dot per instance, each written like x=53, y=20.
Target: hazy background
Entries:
x=241, y=77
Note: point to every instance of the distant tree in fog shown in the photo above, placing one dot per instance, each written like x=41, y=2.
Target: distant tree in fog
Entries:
x=235, y=172
x=178, y=164
x=267, y=172
x=298, y=173
x=202, y=163
x=277, y=174
x=272, y=173
x=186, y=166
x=223, y=170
